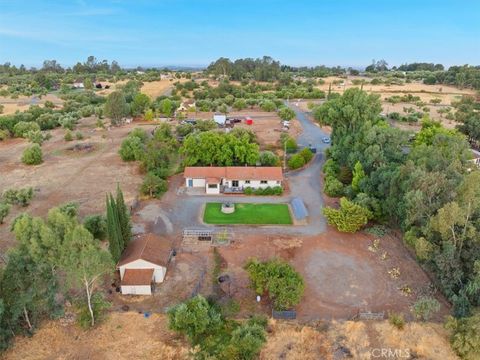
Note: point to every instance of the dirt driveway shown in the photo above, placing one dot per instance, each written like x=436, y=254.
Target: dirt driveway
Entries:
x=177, y=210
x=342, y=276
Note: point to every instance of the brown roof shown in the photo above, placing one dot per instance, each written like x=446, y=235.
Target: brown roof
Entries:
x=235, y=172
x=213, y=180
x=148, y=247
x=137, y=277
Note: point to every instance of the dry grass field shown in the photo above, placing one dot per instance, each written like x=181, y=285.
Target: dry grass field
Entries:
x=83, y=176
x=129, y=335
x=23, y=102
x=158, y=88
x=447, y=94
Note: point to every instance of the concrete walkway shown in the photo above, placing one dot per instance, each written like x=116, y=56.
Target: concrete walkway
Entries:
x=184, y=211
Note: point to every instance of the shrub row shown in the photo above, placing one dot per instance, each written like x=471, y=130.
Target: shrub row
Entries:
x=276, y=190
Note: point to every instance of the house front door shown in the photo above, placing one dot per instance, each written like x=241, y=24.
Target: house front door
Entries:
x=190, y=182
x=234, y=183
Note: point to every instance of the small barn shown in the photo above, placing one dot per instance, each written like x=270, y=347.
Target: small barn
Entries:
x=143, y=264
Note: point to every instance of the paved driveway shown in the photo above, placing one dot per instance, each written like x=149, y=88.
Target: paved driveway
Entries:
x=184, y=211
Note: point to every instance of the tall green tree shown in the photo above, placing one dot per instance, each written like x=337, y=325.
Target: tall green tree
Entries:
x=115, y=239
x=123, y=218
x=116, y=107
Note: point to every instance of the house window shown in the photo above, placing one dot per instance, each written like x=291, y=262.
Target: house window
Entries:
x=212, y=186
x=278, y=182
x=234, y=183
x=263, y=182
x=247, y=181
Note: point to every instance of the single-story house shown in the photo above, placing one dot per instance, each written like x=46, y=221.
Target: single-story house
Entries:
x=232, y=179
x=144, y=263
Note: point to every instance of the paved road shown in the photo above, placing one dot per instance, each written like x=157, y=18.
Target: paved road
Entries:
x=184, y=211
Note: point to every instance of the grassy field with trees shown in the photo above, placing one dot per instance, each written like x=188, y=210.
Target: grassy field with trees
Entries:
x=426, y=185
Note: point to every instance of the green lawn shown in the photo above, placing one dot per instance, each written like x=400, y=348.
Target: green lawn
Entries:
x=245, y=213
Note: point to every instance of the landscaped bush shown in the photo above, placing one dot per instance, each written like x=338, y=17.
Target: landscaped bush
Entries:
x=349, y=218
x=397, y=320
x=330, y=168
x=333, y=187
x=4, y=134
x=465, y=336
x=68, y=136
x=279, y=280
x=213, y=336
x=296, y=161
x=132, y=149
x=32, y=155
x=307, y=154
x=4, y=210
x=35, y=136
x=97, y=225
x=268, y=158
x=276, y=190
x=268, y=105
x=22, y=128
x=425, y=307
x=154, y=186
x=290, y=145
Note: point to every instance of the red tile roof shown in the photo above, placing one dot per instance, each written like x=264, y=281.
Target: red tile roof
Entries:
x=137, y=277
x=213, y=180
x=234, y=172
x=148, y=247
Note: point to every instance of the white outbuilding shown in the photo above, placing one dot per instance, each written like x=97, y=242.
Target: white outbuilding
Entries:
x=220, y=118
x=143, y=264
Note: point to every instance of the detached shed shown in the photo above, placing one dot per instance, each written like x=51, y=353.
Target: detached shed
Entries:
x=220, y=118
x=144, y=263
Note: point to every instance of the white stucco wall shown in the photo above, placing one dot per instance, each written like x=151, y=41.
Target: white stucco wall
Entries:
x=212, y=191
x=256, y=184
x=158, y=272
x=136, y=289
x=196, y=182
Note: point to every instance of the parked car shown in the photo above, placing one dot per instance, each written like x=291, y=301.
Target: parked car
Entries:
x=326, y=140
x=234, y=120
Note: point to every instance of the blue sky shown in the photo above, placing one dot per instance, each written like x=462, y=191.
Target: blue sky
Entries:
x=196, y=32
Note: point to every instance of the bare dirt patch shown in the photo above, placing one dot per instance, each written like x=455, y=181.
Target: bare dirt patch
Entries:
x=342, y=276
x=266, y=125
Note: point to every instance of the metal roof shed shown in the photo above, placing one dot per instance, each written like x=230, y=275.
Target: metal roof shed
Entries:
x=299, y=210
